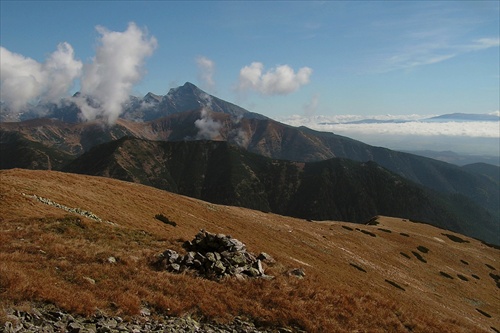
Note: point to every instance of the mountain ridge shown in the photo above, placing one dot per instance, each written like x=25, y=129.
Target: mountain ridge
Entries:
x=333, y=189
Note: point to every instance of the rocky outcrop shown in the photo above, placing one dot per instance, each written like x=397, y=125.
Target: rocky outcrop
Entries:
x=214, y=256
x=51, y=320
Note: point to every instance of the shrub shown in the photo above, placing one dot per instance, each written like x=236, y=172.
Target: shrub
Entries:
x=358, y=267
x=405, y=255
x=446, y=275
x=422, y=249
x=165, y=219
x=455, y=238
x=394, y=284
x=419, y=257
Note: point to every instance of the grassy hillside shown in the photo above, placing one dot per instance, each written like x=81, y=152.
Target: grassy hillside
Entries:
x=336, y=189
x=390, y=276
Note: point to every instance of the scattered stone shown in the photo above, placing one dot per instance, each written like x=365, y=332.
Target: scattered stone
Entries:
x=215, y=256
x=76, y=210
x=44, y=319
x=112, y=260
x=266, y=258
x=89, y=280
x=297, y=272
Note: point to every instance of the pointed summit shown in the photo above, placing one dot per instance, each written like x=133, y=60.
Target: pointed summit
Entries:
x=189, y=97
x=152, y=98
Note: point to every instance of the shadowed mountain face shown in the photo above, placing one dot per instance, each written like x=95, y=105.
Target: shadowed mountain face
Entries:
x=265, y=137
x=335, y=189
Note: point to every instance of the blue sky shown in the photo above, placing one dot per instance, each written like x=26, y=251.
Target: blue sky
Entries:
x=360, y=58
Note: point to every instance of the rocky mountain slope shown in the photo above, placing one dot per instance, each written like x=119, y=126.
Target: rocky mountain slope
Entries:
x=336, y=189
x=85, y=245
x=187, y=97
x=50, y=144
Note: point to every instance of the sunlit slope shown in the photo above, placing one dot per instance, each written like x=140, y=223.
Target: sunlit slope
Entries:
x=392, y=275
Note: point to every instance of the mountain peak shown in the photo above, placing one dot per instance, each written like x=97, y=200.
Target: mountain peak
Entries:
x=152, y=98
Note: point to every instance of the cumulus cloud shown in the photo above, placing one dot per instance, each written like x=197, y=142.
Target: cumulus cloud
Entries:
x=24, y=80
x=208, y=128
x=117, y=66
x=206, y=70
x=281, y=80
x=106, y=82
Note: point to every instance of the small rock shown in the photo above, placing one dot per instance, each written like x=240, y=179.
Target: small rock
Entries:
x=264, y=257
x=145, y=312
x=298, y=272
x=89, y=280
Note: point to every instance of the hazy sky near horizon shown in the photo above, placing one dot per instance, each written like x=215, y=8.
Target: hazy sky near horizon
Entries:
x=278, y=58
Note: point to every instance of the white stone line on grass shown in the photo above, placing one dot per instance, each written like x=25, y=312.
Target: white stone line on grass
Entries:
x=76, y=210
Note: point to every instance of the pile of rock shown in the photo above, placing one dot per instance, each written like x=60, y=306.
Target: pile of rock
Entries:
x=214, y=256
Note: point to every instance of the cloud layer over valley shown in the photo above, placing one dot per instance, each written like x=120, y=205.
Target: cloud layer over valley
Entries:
x=410, y=132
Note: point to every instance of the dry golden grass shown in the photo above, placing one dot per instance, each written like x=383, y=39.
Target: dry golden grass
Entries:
x=50, y=255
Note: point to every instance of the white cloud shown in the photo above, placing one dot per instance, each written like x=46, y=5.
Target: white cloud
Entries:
x=117, y=66
x=281, y=80
x=405, y=125
x=206, y=72
x=432, y=51
x=409, y=132
x=107, y=81
x=311, y=107
x=24, y=80
x=483, y=43
x=208, y=128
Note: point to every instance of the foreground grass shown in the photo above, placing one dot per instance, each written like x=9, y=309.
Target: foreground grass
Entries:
x=80, y=265
x=66, y=261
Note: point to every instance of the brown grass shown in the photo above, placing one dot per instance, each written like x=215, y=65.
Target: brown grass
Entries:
x=49, y=255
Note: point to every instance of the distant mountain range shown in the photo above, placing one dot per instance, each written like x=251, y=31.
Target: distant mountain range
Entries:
x=463, y=117
x=458, y=159
x=462, y=199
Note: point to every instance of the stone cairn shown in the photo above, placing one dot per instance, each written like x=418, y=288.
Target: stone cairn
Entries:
x=214, y=256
